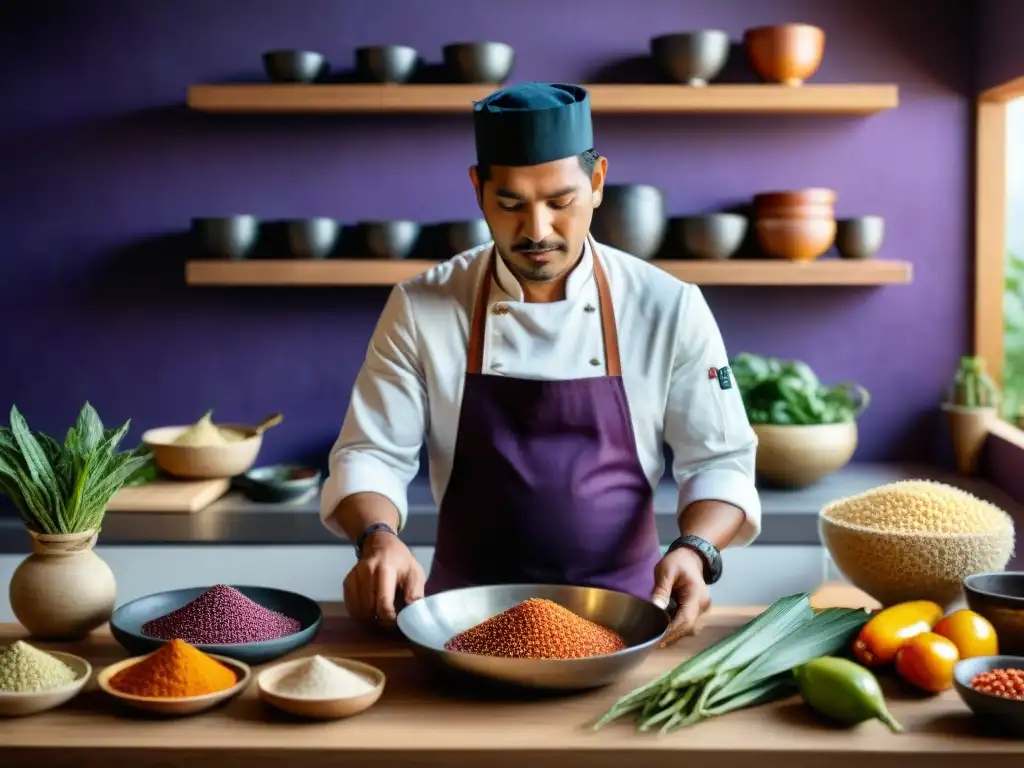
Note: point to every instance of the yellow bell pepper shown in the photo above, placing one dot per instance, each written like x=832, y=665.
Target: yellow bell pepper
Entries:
x=879, y=640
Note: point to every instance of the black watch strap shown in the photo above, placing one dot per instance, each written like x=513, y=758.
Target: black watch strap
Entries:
x=708, y=552
x=369, y=531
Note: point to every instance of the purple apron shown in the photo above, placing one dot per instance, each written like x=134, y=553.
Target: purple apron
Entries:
x=546, y=485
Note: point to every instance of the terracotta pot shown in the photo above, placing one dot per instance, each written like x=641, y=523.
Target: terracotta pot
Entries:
x=63, y=590
x=798, y=455
x=805, y=211
x=785, y=53
x=809, y=196
x=795, y=239
x=968, y=428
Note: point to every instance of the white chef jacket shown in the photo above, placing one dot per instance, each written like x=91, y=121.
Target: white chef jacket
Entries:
x=410, y=385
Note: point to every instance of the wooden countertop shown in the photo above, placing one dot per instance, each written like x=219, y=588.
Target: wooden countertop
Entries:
x=418, y=723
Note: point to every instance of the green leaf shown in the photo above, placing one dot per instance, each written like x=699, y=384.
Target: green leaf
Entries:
x=777, y=391
x=65, y=487
x=823, y=635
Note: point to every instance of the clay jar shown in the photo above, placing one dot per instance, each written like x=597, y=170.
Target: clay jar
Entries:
x=63, y=590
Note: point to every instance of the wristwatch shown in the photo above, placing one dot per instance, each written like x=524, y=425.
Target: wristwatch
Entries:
x=708, y=552
x=369, y=531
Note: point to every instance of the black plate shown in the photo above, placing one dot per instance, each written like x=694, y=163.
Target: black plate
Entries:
x=126, y=623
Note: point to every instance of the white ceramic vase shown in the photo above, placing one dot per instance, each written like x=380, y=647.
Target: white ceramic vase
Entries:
x=63, y=590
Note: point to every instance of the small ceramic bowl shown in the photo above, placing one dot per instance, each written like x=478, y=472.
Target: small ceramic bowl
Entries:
x=387, y=63
x=795, y=239
x=295, y=66
x=999, y=597
x=487, y=62
x=279, y=483
x=1007, y=714
x=860, y=237
x=694, y=58
x=713, y=236
x=33, y=702
x=189, y=705
x=785, y=53
x=320, y=709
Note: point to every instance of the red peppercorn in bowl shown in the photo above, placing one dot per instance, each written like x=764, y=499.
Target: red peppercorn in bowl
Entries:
x=542, y=636
x=993, y=688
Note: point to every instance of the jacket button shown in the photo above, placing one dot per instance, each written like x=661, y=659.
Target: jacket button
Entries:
x=589, y=308
x=594, y=361
x=500, y=309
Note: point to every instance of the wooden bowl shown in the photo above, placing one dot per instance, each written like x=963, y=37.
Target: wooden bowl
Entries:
x=785, y=53
x=795, y=239
x=800, y=211
x=32, y=702
x=320, y=709
x=797, y=197
x=207, y=462
x=188, y=705
x=798, y=455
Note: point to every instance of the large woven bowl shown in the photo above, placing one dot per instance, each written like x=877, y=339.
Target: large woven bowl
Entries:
x=896, y=567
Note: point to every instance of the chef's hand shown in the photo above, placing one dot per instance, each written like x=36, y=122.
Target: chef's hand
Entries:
x=680, y=575
x=386, y=570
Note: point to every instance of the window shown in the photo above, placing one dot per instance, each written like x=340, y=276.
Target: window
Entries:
x=1013, y=278
x=999, y=247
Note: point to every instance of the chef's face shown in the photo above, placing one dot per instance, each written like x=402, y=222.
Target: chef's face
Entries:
x=540, y=215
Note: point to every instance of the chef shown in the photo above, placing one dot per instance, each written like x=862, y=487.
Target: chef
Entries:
x=545, y=371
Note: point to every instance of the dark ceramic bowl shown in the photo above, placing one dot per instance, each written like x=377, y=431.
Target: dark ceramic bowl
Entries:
x=390, y=239
x=999, y=597
x=226, y=237
x=387, y=63
x=312, y=238
x=295, y=66
x=714, y=236
x=127, y=621
x=462, y=236
x=631, y=217
x=1005, y=714
x=860, y=237
x=279, y=483
x=694, y=58
x=479, y=62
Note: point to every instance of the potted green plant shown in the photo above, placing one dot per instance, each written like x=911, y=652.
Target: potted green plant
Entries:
x=64, y=590
x=805, y=429
x=971, y=404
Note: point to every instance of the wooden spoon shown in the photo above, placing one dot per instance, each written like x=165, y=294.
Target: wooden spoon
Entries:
x=271, y=421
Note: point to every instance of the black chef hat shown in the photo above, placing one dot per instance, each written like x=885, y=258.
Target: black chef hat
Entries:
x=532, y=123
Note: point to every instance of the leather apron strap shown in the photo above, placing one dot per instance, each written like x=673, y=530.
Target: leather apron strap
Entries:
x=478, y=326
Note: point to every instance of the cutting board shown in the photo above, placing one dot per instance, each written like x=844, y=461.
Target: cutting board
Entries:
x=163, y=495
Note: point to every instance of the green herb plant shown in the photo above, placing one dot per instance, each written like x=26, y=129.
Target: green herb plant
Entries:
x=787, y=392
x=754, y=665
x=65, y=488
x=972, y=386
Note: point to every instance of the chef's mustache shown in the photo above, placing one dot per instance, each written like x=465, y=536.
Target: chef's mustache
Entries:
x=544, y=245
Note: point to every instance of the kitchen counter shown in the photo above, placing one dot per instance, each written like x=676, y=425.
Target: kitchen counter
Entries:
x=790, y=517
x=419, y=723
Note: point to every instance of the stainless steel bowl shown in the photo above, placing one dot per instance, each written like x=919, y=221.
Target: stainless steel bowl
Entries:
x=431, y=622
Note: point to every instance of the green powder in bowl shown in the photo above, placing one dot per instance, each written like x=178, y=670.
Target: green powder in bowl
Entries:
x=24, y=669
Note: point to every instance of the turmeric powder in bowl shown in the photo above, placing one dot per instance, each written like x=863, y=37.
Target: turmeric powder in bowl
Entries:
x=175, y=671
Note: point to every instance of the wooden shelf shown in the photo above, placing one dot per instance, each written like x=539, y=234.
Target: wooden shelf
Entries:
x=366, y=272
x=839, y=99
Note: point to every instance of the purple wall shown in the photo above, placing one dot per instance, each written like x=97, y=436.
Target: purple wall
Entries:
x=102, y=163
x=1000, y=27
